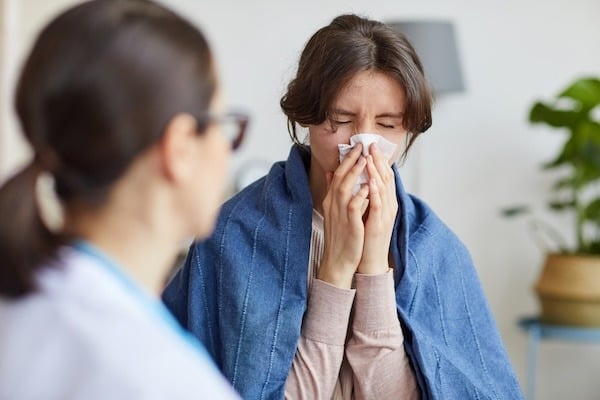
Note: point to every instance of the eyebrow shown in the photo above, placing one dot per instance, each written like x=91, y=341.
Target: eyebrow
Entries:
x=339, y=111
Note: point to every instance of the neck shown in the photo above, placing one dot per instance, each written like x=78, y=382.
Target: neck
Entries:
x=144, y=252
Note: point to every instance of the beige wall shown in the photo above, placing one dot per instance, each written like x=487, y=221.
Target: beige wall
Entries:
x=12, y=149
x=2, y=100
x=21, y=20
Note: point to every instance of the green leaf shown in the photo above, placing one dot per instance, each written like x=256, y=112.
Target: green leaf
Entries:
x=593, y=247
x=515, y=211
x=564, y=183
x=561, y=205
x=579, y=157
x=588, y=137
x=586, y=91
x=592, y=211
x=587, y=175
x=566, y=156
x=541, y=112
x=582, y=151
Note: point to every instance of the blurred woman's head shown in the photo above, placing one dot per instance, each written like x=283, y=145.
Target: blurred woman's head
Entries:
x=101, y=84
x=108, y=87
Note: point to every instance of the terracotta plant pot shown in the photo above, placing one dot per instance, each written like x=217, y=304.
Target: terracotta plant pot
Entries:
x=569, y=290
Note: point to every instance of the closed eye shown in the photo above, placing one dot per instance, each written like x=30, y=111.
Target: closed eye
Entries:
x=386, y=126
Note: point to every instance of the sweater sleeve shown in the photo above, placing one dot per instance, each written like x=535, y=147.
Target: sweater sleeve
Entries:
x=375, y=350
x=316, y=366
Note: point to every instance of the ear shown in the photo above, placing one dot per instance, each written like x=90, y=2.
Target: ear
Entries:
x=177, y=147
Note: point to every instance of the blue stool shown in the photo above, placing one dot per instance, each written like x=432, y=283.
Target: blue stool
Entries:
x=538, y=330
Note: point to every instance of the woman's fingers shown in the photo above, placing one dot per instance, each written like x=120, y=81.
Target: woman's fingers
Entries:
x=376, y=187
x=347, y=163
x=381, y=164
x=375, y=200
x=384, y=177
x=357, y=206
x=344, y=229
x=346, y=176
x=329, y=178
x=383, y=207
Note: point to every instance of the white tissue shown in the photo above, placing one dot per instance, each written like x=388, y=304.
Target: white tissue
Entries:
x=386, y=147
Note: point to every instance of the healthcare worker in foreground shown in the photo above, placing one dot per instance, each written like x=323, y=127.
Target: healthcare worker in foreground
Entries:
x=120, y=103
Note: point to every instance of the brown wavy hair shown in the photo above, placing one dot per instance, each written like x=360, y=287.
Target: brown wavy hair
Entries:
x=335, y=53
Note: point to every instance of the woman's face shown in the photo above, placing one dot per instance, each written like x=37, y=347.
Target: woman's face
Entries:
x=371, y=102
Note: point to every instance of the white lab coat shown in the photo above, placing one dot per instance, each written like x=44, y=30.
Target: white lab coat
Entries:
x=83, y=335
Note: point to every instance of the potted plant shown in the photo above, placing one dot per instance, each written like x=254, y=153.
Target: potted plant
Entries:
x=569, y=284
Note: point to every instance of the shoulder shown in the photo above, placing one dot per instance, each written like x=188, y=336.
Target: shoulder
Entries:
x=258, y=190
x=286, y=182
x=419, y=224
x=431, y=245
x=260, y=201
x=110, y=347
x=423, y=222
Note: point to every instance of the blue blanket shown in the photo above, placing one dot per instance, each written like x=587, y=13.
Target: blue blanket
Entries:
x=243, y=293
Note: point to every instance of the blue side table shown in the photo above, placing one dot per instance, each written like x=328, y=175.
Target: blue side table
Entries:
x=538, y=330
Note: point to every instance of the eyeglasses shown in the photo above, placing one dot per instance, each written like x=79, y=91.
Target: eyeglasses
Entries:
x=233, y=125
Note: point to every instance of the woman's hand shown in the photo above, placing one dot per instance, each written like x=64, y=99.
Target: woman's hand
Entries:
x=383, y=206
x=343, y=226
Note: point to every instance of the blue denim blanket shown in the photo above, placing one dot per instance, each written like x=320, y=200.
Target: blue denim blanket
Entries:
x=243, y=293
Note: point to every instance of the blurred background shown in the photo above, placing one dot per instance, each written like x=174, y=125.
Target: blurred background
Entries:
x=480, y=155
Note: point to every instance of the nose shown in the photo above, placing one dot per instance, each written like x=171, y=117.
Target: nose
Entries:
x=364, y=125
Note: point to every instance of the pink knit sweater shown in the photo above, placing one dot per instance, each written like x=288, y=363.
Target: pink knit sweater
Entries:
x=366, y=361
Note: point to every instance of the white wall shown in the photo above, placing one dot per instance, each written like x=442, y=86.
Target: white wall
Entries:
x=21, y=20
x=479, y=156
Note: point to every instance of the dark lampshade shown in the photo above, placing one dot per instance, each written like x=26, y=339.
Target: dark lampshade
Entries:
x=435, y=43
